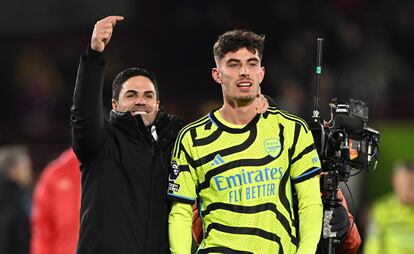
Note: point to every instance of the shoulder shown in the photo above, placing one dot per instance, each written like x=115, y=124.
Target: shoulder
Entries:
x=201, y=124
x=285, y=118
x=167, y=120
x=385, y=205
x=64, y=164
x=173, y=119
x=386, y=201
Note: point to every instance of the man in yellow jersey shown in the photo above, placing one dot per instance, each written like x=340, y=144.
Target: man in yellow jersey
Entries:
x=392, y=217
x=241, y=167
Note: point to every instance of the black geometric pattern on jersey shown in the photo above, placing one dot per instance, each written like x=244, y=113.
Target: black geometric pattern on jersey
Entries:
x=248, y=126
x=250, y=210
x=283, y=182
x=230, y=150
x=207, y=140
x=187, y=156
x=208, y=125
x=234, y=164
x=295, y=141
x=305, y=151
x=283, y=195
x=295, y=119
x=286, y=203
x=284, y=200
x=224, y=250
x=245, y=231
x=184, y=168
x=238, y=163
x=197, y=123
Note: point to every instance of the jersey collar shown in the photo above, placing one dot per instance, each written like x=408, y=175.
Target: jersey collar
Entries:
x=224, y=127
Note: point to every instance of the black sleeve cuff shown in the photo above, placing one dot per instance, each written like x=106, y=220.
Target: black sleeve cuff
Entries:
x=94, y=57
x=172, y=197
x=307, y=175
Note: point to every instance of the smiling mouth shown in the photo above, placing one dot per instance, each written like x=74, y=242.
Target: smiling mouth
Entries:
x=244, y=84
x=137, y=112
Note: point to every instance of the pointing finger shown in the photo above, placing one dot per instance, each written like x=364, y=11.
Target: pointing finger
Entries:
x=110, y=20
x=115, y=19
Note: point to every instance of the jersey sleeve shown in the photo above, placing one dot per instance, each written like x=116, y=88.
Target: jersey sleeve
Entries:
x=310, y=214
x=179, y=228
x=182, y=176
x=305, y=161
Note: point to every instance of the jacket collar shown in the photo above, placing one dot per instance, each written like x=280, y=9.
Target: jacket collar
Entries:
x=130, y=124
x=127, y=123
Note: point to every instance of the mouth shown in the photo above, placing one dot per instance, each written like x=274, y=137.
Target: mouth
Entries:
x=138, y=112
x=244, y=83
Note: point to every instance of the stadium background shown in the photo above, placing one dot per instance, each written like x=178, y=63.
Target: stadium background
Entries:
x=368, y=54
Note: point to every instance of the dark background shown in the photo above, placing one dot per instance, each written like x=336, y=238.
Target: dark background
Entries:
x=368, y=54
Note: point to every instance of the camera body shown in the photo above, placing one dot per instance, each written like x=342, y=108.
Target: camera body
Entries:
x=346, y=142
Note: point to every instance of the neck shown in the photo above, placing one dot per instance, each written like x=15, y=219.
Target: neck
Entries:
x=236, y=114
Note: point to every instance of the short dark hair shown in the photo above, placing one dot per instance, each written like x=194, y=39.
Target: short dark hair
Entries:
x=236, y=39
x=405, y=163
x=126, y=74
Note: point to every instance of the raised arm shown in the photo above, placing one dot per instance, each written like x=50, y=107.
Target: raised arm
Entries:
x=87, y=116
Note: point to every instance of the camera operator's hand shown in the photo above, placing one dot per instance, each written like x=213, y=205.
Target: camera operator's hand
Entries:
x=340, y=222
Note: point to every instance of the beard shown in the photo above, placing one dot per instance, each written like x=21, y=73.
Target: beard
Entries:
x=245, y=99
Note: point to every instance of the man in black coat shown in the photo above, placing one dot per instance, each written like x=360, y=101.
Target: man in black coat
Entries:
x=15, y=180
x=124, y=160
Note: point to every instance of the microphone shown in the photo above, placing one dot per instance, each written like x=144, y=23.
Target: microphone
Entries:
x=349, y=123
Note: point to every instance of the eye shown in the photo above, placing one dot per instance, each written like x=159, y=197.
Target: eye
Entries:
x=149, y=96
x=130, y=96
x=253, y=64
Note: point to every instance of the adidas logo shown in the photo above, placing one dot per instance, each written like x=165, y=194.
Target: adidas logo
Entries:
x=217, y=160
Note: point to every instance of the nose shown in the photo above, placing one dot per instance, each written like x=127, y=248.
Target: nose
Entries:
x=244, y=71
x=140, y=100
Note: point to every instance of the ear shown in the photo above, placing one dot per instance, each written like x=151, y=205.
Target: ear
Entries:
x=262, y=74
x=114, y=105
x=157, y=106
x=216, y=75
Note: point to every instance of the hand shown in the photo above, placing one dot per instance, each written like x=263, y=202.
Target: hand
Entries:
x=261, y=103
x=102, y=32
x=197, y=225
x=340, y=222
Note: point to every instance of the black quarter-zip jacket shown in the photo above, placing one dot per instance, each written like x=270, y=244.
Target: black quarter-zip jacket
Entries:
x=124, y=172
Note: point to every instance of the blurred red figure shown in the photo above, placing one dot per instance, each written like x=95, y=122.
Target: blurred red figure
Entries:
x=56, y=206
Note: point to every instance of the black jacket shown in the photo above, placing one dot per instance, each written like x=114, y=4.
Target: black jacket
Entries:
x=124, y=173
x=14, y=220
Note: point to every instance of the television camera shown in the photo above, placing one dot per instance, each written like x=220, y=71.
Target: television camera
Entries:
x=345, y=144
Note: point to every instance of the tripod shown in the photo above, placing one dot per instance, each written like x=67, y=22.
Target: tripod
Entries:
x=329, y=187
